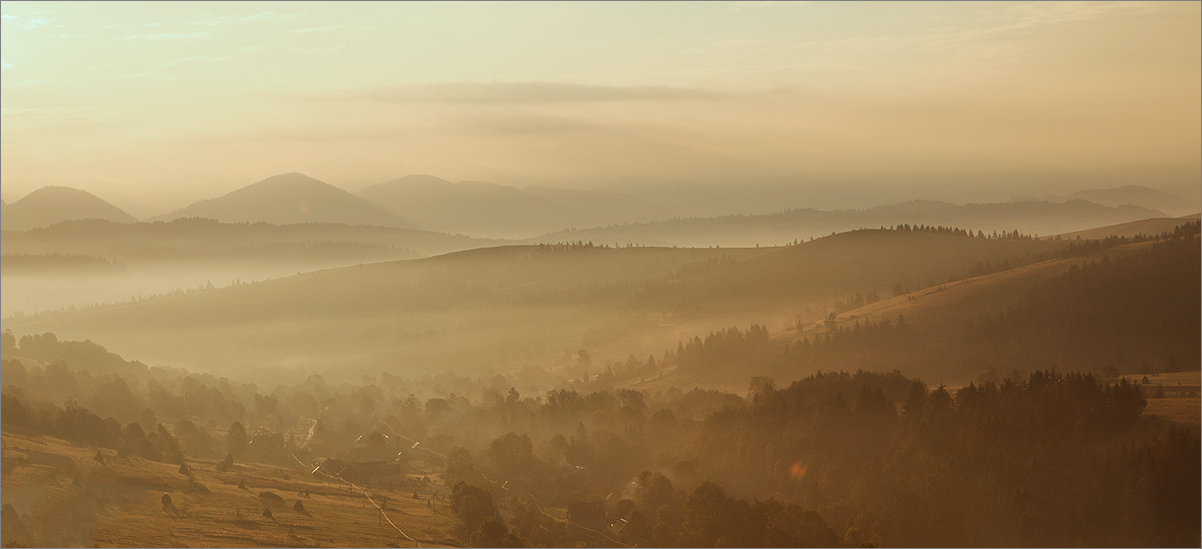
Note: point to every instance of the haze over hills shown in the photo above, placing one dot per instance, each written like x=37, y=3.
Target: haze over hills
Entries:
x=49, y=205
x=1040, y=218
x=499, y=211
x=291, y=198
x=196, y=240
x=186, y=253
x=518, y=305
x=1136, y=195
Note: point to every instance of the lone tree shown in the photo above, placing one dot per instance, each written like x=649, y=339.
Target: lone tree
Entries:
x=472, y=504
x=235, y=439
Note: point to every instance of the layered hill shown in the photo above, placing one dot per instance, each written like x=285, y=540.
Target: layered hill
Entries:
x=1136, y=195
x=197, y=240
x=76, y=263
x=487, y=209
x=1130, y=308
x=291, y=198
x=508, y=306
x=49, y=205
x=1038, y=218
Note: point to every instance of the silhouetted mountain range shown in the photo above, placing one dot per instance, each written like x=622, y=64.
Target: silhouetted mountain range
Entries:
x=489, y=210
x=1041, y=218
x=291, y=198
x=49, y=205
x=499, y=211
x=1134, y=195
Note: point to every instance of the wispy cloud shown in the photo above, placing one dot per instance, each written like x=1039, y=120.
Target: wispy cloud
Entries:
x=524, y=123
x=34, y=23
x=168, y=36
x=522, y=93
x=5, y=64
x=327, y=28
x=27, y=24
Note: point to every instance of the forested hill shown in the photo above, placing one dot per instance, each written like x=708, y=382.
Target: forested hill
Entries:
x=1127, y=309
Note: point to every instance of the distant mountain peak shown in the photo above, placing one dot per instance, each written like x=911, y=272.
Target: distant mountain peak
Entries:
x=54, y=204
x=291, y=198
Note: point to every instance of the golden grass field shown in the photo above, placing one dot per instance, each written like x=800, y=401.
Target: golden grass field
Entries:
x=1181, y=410
x=66, y=498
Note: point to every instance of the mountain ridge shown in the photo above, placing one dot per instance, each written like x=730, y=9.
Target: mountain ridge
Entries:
x=53, y=204
x=499, y=211
x=290, y=198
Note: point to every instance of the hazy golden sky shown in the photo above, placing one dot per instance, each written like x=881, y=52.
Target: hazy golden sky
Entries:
x=154, y=105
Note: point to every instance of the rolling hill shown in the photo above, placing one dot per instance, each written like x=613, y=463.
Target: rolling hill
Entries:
x=49, y=205
x=1146, y=227
x=1124, y=309
x=291, y=198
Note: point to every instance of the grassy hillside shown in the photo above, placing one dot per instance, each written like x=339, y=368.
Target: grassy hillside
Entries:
x=57, y=494
x=1145, y=227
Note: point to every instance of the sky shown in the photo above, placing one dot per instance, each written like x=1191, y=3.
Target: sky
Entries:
x=155, y=105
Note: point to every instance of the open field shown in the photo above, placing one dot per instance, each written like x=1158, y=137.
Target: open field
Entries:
x=65, y=498
x=1181, y=410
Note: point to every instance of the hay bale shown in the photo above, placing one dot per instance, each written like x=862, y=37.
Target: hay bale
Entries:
x=271, y=498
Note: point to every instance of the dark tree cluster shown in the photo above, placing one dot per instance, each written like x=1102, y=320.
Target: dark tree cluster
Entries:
x=856, y=301
x=720, y=349
x=1030, y=462
x=81, y=426
x=1121, y=312
x=954, y=231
